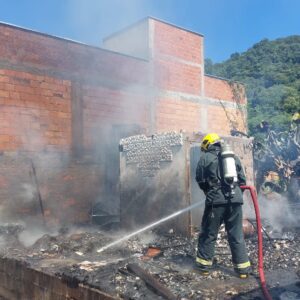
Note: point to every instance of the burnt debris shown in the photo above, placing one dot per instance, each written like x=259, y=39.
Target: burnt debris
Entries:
x=73, y=258
x=277, y=160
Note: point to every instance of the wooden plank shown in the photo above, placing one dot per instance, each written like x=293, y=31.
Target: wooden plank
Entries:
x=77, y=119
x=155, y=285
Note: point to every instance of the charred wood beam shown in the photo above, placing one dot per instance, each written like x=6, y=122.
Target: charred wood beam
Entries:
x=77, y=119
x=152, y=282
x=38, y=190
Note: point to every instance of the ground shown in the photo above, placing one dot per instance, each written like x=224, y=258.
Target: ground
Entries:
x=72, y=255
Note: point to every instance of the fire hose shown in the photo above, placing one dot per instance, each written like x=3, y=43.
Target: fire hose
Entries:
x=265, y=291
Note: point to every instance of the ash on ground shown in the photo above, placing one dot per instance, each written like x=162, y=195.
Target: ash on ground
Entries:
x=73, y=257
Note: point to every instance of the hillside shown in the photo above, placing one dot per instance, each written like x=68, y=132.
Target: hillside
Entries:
x=271, y=72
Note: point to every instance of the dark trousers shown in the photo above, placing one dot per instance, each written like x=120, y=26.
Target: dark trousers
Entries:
x=213, y=217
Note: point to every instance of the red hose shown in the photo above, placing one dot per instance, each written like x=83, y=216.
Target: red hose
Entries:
x=260, y=242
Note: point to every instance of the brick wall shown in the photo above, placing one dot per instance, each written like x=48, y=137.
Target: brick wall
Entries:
x=40, y=53
x=177, y=115
x=179, y=77
x=69, y=104
x=55, y=95
x=226, y=118
x=38, y=70
x=175, y=42
x=176, y=68
x=187, y=99
x=103, y=106
x=67, y=187
x=218, y=88
x=35, y=112
x=19, y=281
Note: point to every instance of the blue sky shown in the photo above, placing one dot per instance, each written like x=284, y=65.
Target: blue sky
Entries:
x=228, y=25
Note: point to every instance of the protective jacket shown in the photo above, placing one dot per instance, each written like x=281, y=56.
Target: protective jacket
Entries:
x=222, y=206
x=209, y=176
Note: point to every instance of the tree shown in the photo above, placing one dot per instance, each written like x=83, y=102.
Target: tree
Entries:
x=270, y=71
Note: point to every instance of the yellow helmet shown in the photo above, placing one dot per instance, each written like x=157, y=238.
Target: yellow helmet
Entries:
x=296, y=117
x=209, y=139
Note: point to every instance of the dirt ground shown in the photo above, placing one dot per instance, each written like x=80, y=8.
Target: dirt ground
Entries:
x=72, y=255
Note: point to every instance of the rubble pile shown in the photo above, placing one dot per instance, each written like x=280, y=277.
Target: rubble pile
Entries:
x=277, y=160
x=11, y=229
x=281, y=252
x=73, y=257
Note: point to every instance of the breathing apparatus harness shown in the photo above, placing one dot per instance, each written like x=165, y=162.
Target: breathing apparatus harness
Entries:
x=226, y=173
x=229, y=171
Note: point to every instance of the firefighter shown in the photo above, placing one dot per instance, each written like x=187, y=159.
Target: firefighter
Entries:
x=223, y=204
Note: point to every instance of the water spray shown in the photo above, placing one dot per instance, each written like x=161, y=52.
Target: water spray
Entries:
x=175, y=214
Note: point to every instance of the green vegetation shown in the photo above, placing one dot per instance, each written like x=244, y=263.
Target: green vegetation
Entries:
x=270, y=71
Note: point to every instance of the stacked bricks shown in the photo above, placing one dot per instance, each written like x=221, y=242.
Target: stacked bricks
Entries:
x=225, y=118
x=173, y=114
x=35, y=112
x=103, y=106
x=178, y=58
x=218, y=88
x=177, y=74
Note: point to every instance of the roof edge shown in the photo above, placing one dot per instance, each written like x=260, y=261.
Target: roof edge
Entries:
x=67, y=40
x=179, y=27
x=145, y=19
x=222, y=78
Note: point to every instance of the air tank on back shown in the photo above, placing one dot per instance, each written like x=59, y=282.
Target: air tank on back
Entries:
x=229, y=167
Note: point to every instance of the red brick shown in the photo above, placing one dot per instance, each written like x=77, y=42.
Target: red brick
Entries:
x=4, y=94
x=222, y=89
x=4, y=138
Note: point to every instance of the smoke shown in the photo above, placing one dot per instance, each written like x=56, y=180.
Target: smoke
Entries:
x=32, y=233
x=148, y=237
x=105, y=16
x=28, y=192
x=2, y=243
x=28, y=176
x=105, y=135
x=275, y=210
x=130, y=104
x=278, y=212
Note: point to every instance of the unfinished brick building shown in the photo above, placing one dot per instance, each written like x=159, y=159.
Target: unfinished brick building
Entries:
x=64, y=107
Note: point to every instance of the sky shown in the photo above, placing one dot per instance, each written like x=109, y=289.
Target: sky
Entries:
x=228, y=26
